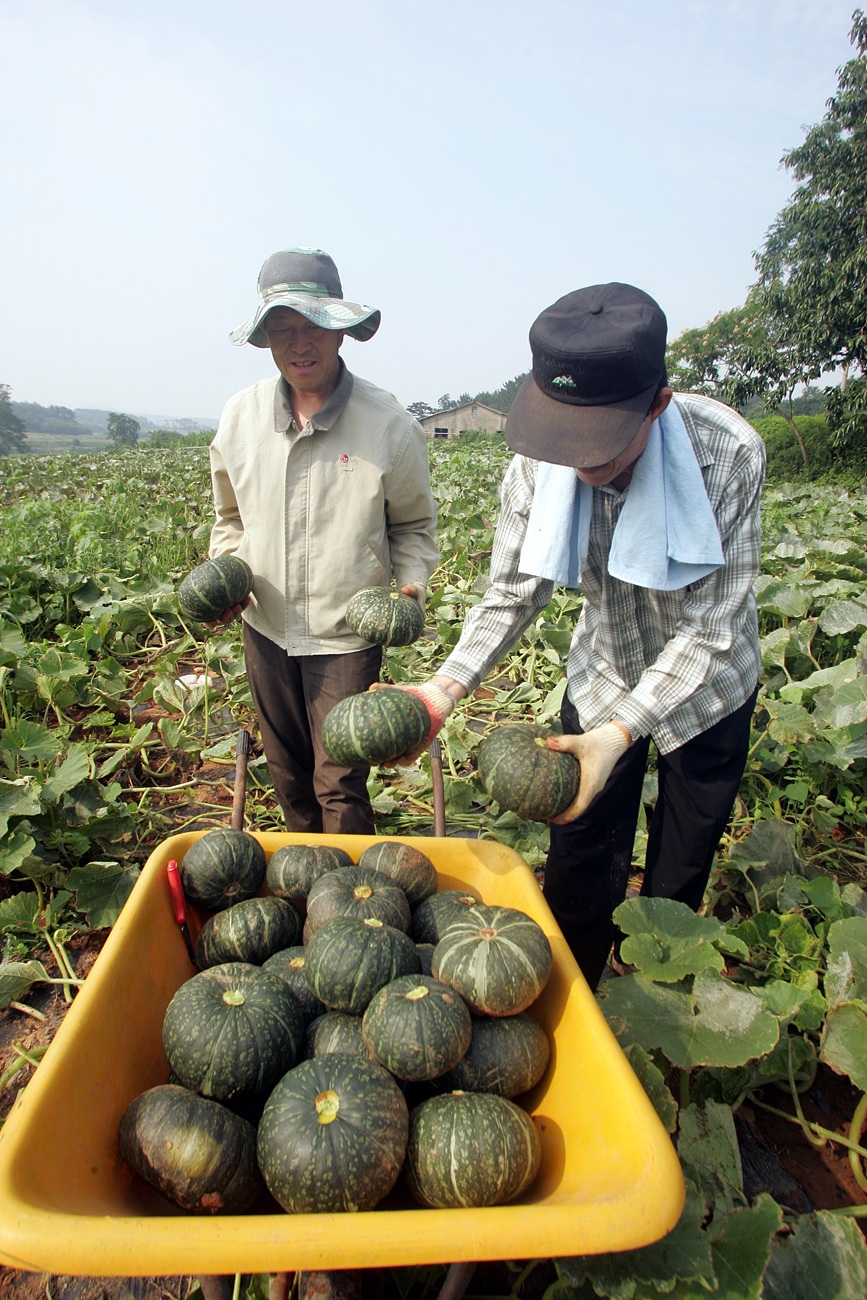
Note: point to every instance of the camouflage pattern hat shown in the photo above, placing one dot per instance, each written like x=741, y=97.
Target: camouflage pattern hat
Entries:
x=307, y=281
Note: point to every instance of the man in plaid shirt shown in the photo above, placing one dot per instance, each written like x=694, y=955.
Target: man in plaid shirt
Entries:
x=650, y=503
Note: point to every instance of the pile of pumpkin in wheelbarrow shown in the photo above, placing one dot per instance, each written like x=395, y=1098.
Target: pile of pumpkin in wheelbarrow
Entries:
x=347, y=1030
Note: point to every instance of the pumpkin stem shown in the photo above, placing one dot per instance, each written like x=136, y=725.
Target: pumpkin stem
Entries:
x=487, y=932
x=374, y=922
x=420, y=991
x=234, y=997
x=362, y=891
x=327, y=1105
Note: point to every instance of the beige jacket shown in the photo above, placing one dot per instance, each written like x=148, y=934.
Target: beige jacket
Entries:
x=320, y=512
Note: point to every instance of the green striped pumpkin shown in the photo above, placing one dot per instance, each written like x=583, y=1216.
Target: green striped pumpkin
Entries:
x=232, y=1030
x=517, y=768
x=498, y=959
x=293, y=869
x=222, y=867
x=408, y=866
x=468, y=1149
x=248, y=931
x=332, y=1136
x=374, y=727
x=358, y=892
x=417, y=1028
x=433, y=915
x=290, y=965
x=507, y=1055
x=214, y=587
x=198, y=1153
x=335, y=1032
x=385, y=617
x=349, y=960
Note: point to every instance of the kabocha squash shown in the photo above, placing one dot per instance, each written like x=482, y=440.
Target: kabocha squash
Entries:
x=290, y=965
x=348, y=960
x=293, y=869
x=335, y=1032
x=470, y=1149
x=412, y=869
x=197, y=1152
x=498, y=959
x=222, y=867
x=333, y=1136
x=507, y=1055
x=215, y=586
x=232, y=1030
x=434, y=914
x=385, y=617
x=417, y=1028
x=517, y=768
x=374, y=727
x=359, y=892
x=248, y=931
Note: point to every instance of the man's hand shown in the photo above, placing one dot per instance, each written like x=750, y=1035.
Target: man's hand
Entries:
x=227, y=617
x=417, y=592
x=597, y=751
x=439, y=704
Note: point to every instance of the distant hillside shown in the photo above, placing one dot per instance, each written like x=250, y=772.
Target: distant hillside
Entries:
x=63, y=420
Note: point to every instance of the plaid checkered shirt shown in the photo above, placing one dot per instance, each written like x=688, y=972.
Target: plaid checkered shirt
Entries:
x=670, y=664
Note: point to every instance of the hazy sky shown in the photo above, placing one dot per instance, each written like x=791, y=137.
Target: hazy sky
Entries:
x=465, y=163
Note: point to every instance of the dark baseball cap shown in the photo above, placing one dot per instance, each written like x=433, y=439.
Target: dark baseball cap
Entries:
x=598, y=361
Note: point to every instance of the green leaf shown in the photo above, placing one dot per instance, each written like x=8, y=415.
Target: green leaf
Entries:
x=707, y=1145
x=653, y=1082
x=846, y=967
x=19, y=912
x=16, y=978
x=842, y=616
x=31, y=741
x=667, y=941
x=101, y=889
x=742, y=1247
x=17, y=850
x=823, y=1256
x=716, y=1023
x=844, y=1042
x=76, y=767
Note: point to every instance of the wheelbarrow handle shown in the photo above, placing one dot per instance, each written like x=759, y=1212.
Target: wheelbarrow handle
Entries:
x=243, y=747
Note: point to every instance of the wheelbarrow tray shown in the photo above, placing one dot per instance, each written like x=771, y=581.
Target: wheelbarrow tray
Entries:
x=609, y=1178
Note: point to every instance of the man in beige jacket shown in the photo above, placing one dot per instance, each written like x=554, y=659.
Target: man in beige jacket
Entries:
x=321, y=483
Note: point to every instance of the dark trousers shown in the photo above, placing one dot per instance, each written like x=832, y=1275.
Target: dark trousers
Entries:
x=589, y=860
x=292, y=697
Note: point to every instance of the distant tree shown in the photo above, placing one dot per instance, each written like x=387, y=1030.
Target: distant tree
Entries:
x=123, y=430
x=445, y=402
x=11, y=428
x=47, y=419
x=420, y=409
x=741, y=355
x=813, y=265
x=501, y=398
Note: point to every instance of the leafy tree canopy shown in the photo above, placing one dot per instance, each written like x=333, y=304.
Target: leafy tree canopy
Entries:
x=11, y=428
x=123, y=430
x=813, y=265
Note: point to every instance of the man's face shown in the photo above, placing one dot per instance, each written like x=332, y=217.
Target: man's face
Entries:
x=305, y=354
x=620, y=468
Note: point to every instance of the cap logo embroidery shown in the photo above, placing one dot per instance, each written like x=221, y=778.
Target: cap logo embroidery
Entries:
x=563, y=381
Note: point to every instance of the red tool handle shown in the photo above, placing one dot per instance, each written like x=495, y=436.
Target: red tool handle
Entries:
x=175, y=885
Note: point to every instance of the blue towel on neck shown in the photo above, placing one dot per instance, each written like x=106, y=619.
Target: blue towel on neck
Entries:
x=666, y=536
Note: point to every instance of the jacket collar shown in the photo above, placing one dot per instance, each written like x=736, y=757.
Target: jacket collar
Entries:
x=327, y=415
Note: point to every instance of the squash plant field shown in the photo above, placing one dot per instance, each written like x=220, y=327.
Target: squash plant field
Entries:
x=118, y=726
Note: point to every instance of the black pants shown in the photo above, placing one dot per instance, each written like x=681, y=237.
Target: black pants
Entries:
x=589, y=860
x=292, y=697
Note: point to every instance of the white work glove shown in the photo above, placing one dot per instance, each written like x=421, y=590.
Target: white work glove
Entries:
x=439, y=704
x=597, y=751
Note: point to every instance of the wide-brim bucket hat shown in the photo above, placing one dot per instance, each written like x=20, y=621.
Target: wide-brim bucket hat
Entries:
x=598, y=362
x=307, y=281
